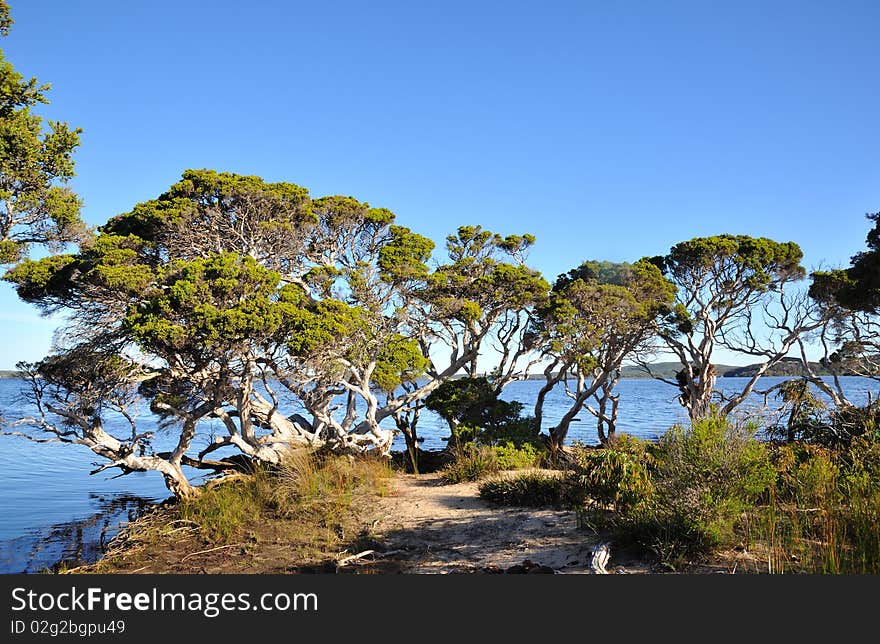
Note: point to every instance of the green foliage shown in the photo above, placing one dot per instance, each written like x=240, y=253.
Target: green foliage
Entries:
x=40, y=280
x=617, y=476
x=211, y=203
x=823, y=517
x=36, y=164
x=736, y=262
x=806, y=474
x=10, y=251
x=399, y=360
x=477, y=284
x=805, y=412
x=858, y=286
x=511, y=457
x=705, y=478
x=505, y=425
x=207, y=304
x=6, y=20
x=473, y=461
x=532, y=489
x=404, y=256
x=474, y=412
x=470, y=462
x=599, y=308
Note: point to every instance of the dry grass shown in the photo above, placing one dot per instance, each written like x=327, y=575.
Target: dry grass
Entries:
x=300, y=514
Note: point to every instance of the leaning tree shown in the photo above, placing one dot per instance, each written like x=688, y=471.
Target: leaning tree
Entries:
x=293, y=321
x=738, y=293
x=596, y=316
x=477, y=302
x=186, y=290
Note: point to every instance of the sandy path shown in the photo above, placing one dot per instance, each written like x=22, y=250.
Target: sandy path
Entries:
x=443, y=528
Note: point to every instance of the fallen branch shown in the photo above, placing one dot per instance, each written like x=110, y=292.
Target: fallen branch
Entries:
x=202, y=552
x=349, y=559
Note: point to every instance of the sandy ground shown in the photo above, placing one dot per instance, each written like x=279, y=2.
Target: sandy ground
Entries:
x=421, y=526
x=443, y=528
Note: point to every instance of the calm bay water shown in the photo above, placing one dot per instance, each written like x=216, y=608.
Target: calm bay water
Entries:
x=52, y=509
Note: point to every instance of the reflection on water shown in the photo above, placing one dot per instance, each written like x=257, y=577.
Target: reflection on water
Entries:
x=71, y=543
x=52, y=510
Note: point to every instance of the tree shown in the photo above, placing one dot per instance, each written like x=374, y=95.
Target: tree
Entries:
x=36, y=204
x=849, y=299
x=473, y=410
x=722, y=283
x=189, y=289
x=482, y=298
x=597, y=316
x=234, y=298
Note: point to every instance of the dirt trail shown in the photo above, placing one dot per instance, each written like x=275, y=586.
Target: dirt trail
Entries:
x=443, y=528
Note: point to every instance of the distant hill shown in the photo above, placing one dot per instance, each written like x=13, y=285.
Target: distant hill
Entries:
x=4, y=373
x=665, y=370
x=787, y=367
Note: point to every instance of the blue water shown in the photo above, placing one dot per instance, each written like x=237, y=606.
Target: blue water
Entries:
x=52, y=509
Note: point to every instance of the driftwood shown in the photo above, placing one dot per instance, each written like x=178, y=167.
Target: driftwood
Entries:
x=349, y=559
x=601, y=556
x=202, y=552
x=366, y=553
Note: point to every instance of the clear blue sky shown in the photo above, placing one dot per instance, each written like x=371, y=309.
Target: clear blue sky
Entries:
x=611, y=130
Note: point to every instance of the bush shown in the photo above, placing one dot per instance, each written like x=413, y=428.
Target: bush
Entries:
x=511, y=457
x=704, y=479
x=476, y=414
x=315, y=489
x=806, y=474
x=520, y=432
x=533, y=489
x=616, y=477
x=823, y=518
x=472, y=461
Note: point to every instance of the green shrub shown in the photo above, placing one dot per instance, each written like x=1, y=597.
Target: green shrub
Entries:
x=511, y=457
x=520, y=431
x=824, y=517
x=222, y=510
x=614, y=477
x=806, y=474
x=476, y=414
x=470, y=463
x=532, y=489
x=473, y=461
x=704, y=479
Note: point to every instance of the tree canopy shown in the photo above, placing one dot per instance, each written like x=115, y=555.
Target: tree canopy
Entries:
x=722, y=281
x=36, y=164
x=596, y=316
